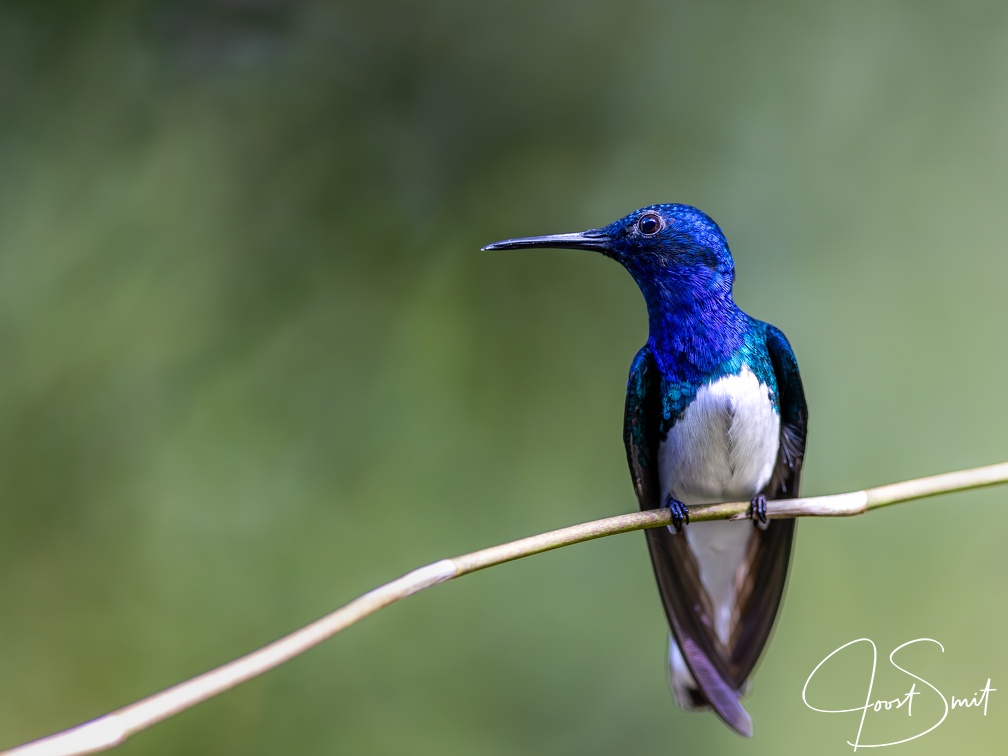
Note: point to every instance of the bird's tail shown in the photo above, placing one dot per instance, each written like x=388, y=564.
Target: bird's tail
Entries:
x=699, y=667
x=684, y=688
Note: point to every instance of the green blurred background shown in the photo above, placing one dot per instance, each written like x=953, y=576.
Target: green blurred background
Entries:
x=254, y=364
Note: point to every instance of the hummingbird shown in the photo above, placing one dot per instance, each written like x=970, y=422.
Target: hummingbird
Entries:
x=715, y=412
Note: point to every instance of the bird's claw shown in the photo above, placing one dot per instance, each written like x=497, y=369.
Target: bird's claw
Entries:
x=757, y=511
x=680, y=514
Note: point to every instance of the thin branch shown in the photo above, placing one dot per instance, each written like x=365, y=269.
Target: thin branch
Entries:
x=113, y=729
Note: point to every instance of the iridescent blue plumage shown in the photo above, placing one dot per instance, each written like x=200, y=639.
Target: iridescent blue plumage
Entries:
x=685, y=271
x=714, y=412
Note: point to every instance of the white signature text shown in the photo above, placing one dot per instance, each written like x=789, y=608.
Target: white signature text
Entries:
x=902, y=703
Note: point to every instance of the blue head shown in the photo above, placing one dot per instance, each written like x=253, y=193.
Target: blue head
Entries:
x=676, y=254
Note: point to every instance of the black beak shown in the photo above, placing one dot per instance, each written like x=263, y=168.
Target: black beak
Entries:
x=594, y=239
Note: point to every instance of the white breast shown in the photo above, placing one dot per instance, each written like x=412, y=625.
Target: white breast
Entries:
x=723, y=448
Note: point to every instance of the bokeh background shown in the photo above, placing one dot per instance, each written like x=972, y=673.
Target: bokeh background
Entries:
x=254, y=364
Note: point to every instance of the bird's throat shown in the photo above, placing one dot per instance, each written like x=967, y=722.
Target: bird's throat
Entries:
x=693, y=333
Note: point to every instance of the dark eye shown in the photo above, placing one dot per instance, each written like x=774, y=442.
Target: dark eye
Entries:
x=649, y=224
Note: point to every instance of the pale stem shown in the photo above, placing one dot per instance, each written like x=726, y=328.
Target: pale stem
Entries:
x=110, y=730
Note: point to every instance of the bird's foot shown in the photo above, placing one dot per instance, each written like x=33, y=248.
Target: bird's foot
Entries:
x=757, y=511
x=680, y=514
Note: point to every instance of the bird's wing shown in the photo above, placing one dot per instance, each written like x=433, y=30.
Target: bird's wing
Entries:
x=761, y=592
x=686, y=603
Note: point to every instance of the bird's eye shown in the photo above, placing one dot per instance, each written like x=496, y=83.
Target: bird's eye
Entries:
x=649, y=224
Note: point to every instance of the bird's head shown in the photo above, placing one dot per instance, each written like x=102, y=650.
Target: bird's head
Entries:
x=674, y=252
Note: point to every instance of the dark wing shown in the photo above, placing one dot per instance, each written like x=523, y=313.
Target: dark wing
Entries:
x=686, y=603
x=762, y=591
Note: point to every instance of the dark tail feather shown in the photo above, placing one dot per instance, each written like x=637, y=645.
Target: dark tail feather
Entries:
x=687, y=607
x=760, y=596
x=722, y=699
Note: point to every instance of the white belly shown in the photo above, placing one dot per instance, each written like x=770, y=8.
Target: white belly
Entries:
x=723, y=448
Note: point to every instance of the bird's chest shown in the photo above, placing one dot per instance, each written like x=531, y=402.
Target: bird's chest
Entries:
x=724, y=445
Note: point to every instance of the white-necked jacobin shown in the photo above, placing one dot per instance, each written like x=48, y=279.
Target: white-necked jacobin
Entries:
x=715, y=412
